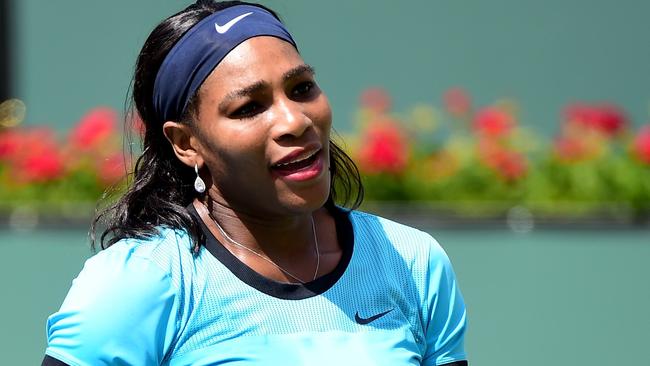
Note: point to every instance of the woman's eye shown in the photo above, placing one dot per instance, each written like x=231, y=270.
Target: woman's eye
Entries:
x=247, y=110
x=303, y=89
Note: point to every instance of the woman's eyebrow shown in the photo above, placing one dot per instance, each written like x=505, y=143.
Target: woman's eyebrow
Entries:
x=251, y=89
x=247, y=90
x=298, y=70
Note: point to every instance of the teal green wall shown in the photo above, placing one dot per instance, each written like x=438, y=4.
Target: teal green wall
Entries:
x=77, y=54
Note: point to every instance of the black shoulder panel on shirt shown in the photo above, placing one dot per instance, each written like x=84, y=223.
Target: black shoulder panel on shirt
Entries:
x=51, y=361
x=455, y=363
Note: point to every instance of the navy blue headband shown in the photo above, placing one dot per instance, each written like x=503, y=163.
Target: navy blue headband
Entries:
x=201, y=49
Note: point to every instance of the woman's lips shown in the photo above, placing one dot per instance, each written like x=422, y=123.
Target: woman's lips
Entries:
x=300, y=170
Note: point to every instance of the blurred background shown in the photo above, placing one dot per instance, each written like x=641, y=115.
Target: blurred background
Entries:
x=515, y=132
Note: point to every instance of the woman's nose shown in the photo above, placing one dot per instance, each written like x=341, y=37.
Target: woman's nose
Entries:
x=291, y=120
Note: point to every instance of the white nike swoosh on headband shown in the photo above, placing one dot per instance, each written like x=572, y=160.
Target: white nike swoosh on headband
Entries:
x=221, y=29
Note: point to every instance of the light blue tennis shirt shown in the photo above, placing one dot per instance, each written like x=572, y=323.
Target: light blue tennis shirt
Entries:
x=392, y=300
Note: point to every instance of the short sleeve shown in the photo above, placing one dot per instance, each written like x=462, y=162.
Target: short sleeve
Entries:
x=445, y=312
x=120, y=310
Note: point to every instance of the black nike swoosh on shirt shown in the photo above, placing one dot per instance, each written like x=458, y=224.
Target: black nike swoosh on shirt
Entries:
x=364, y=321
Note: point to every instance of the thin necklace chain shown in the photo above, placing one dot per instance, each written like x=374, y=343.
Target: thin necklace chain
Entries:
x=266, y=258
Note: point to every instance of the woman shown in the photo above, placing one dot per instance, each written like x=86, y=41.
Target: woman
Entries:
x=228, y=247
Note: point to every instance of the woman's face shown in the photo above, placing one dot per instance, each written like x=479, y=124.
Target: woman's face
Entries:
x=263, y=130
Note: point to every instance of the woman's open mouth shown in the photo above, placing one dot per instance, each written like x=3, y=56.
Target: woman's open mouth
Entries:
x=300, y=169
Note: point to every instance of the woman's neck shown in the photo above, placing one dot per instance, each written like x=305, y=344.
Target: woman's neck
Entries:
x=271, y=234
x=304, y=246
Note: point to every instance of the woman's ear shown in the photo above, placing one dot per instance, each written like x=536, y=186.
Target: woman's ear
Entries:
x=182, y=139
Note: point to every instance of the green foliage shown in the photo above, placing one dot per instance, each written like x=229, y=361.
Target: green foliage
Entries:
x=484, y=160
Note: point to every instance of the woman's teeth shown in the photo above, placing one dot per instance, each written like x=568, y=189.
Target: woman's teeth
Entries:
x=284, y=165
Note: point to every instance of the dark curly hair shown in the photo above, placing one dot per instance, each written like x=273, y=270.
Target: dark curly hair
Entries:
x=160, y=186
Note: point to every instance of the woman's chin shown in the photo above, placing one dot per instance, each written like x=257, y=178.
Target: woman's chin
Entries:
x=306, y=200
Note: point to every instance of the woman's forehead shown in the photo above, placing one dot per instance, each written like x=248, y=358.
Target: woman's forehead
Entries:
x=256, y=59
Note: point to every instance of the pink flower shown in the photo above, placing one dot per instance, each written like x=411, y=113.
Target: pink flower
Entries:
x=641, y=145
x=376, y=99
x=111, y=169
x=493, y=122
x=384, y=150
x=457, y=102
x=607, y=119
x=94, y=128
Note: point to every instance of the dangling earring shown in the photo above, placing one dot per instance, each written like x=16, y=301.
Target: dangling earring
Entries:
x=199, y=184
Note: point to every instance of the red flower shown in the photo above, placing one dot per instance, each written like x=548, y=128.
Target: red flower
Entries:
x=570, y=148
x=493, y=122
x=384, y=150
x=42, y=167
x=39, y=157
x=641, y=145
x=579, y=113
x=10, y=142
x=94, y=128
x=457, y=102
x=607, y=119
x=611, y=119
x=376, y=99
x=509, y=165
x=111, y=169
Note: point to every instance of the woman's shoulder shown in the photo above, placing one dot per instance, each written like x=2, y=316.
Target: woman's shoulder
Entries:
x=413, y=245
x=164, y=241
x=132, y=285
x=166, y=250
x=398, y=233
